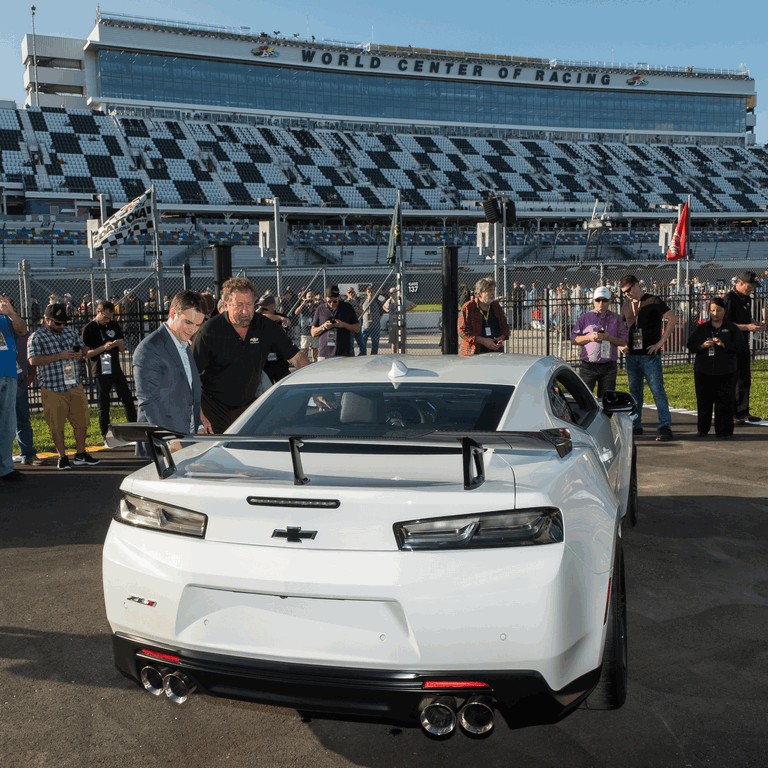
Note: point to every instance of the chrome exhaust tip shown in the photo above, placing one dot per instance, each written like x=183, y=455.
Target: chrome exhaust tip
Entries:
x=152, y=679
x=178, y=687
x=438, y=716
x=476, y=716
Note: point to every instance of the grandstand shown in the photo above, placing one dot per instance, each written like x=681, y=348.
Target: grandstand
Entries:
x=224, y=121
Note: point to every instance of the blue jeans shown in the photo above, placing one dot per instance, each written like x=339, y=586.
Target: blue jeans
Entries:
x=359, y=339
x=23, y=425
x=642, y=368
x=374, y=334
x=7, y=423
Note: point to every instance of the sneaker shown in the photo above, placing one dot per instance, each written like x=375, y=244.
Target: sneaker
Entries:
x=12, y=477
x=84, y=459
x=753, y=419
x=32, y=461
x=665, y=434
x=63, y=463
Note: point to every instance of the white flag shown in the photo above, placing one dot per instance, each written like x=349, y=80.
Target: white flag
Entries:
x=135, y=218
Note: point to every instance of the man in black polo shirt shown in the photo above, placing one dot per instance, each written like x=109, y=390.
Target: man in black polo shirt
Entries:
x=230, y=352
x=738, y=310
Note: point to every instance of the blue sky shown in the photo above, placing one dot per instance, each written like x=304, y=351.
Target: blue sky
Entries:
x=701, y=33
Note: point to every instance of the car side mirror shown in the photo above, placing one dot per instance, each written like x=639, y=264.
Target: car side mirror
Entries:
x=618, y=402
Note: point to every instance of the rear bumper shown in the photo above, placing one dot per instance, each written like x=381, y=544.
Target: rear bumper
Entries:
x=522, y=697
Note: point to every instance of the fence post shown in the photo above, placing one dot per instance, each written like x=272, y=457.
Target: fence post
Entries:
x=545, y=319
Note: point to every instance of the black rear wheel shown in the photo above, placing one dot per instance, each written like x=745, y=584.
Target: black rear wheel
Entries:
x=611, y=690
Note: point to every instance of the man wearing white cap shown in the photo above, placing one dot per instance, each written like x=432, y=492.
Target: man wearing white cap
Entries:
x=599, y=332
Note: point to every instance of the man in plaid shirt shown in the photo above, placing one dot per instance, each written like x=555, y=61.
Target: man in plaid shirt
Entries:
x=56, y=351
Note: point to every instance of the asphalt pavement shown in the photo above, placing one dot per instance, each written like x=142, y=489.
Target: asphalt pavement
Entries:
x=697, y=590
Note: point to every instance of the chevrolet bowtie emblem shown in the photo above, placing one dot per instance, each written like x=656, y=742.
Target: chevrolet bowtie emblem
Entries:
x=294, y=535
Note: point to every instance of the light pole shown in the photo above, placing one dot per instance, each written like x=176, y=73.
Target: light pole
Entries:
x=34, y=58
x=554, y=245
x=276, y=205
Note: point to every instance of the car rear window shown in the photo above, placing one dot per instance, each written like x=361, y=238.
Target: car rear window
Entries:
x=378, y=409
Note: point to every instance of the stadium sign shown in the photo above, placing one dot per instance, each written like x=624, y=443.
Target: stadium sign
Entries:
x=442, y=68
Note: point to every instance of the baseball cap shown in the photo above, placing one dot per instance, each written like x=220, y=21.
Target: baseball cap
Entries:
x=332, y=291
x=268, y=300
x=750, y=278
x=57, y=312
x=602, y=293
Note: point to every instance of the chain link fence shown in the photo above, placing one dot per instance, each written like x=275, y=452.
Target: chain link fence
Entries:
x=542, y=302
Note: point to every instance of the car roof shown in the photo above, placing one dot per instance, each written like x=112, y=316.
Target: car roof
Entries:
x=488, y=368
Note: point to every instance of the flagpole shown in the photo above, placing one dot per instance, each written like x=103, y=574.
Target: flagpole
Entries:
x=158, y=260
x=105, y=258
x=679, y=214
x=688, y=247
x=401, y=307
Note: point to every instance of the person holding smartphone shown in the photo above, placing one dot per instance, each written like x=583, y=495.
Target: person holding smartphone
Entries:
x=56, y=351
x=716, y=345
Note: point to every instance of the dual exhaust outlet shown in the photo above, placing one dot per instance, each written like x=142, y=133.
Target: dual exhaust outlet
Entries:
x=440, y=716
x=176, y=685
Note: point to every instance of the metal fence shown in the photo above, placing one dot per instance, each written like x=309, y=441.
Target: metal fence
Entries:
x=542, y=302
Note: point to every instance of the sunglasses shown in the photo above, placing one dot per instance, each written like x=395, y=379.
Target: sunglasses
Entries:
x=601, y=301
x=333, y=301
x=56, y=323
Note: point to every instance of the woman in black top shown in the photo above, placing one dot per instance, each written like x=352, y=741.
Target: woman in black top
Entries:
x=715, y=345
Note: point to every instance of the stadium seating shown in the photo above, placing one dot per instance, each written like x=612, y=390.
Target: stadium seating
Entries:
x=198, y=163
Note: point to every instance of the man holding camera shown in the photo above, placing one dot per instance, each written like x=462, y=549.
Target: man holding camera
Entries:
x=334, y=325
x=56, y=351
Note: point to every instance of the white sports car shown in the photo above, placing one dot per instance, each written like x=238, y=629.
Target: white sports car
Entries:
x=412, y=539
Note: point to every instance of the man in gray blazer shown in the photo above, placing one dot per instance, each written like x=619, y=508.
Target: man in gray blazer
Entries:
x=167, y=380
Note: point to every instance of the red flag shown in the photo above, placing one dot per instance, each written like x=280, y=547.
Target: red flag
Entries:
x=678, y=248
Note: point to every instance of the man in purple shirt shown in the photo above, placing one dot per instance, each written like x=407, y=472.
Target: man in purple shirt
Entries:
x=599, y=332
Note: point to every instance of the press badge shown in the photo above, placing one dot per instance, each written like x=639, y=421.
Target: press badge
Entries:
x=331, y=338
x=3, y=343
x=487, y=331
x=70, y=375
x=106, y=363
x=605, y=349
x=637, y=339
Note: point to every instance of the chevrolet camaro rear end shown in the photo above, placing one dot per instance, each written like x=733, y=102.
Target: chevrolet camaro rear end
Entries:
x=424, y=576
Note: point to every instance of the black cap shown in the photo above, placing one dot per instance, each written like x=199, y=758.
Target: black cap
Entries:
x=332, y=291
x=57, y=312
x=750, y=278
x=268, y=300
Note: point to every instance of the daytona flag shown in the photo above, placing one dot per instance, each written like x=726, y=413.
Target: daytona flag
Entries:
x=394, y=232
x=678, y=248
x=135, y=218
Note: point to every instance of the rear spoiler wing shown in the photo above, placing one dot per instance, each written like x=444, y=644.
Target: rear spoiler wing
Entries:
x=472, y=444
